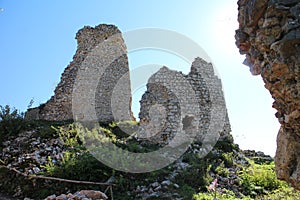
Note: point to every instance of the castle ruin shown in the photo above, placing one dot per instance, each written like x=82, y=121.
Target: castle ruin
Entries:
x=173, y=101
x=59, y=107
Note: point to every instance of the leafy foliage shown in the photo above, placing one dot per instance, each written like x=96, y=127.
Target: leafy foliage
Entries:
x=222, y=170
x=259, y=179
x=186, y=191
x=68, y=135
x=11, y=122
x=76, y=165
x=286, y=193
x=225, y=195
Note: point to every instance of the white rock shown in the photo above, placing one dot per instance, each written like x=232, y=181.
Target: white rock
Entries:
x=155, y=184
x=166, y=183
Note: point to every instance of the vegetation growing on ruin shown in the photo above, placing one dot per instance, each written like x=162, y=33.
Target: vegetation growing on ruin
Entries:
x=247, y=178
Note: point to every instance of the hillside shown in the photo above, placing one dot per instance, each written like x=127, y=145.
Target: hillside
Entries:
x=33, y=152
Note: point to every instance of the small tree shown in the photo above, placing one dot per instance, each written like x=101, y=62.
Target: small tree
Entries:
x=11, y=121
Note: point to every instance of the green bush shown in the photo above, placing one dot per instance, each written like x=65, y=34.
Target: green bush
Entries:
x=77, y=163
x=222, y=170
x=226, y=145
x=186, y=191
x=259, y=179
x=79, y=166
x=196, y=175
x=286, y=193
x=228, y=159
x=225, y=195
x=69, y=135
x=11, y=122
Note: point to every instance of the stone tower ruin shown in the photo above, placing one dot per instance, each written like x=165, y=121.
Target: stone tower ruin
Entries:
x=173, y=101
x=161, y=114
x=59, y=107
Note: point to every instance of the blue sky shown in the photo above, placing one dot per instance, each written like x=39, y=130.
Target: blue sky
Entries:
x=38, y=42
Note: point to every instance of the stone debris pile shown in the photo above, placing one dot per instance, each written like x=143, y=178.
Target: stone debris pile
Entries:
x=167, y=187
x=27, y=153
x=81, y=195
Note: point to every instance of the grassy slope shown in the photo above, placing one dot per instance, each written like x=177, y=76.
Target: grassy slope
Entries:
x=226, y=162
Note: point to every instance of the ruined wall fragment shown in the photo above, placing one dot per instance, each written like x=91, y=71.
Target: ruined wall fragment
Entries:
x=161, y=108
x=59, y=107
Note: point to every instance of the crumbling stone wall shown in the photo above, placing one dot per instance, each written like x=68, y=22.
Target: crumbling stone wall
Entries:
x=161, y=107
x=269, y=36
x=59, y=107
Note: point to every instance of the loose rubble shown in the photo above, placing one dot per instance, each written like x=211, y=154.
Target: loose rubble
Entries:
x=81, y=195
x=28, y=153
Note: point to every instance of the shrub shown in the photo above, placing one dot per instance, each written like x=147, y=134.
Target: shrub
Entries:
x=222, y=170
x=287, y=193
x=186, y=191
x=224, y=195
x=68, y=135
x=228, y=159
x=259, y=179
x=11, y=122
x=75, y=165
x=196, y=175
x=76, y=161
x=226, y=144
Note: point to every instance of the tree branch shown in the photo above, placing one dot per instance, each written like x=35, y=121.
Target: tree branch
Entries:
x=55, y=179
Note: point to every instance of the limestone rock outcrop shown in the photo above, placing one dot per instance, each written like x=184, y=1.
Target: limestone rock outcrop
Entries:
x=59, y=107
x=269, y=36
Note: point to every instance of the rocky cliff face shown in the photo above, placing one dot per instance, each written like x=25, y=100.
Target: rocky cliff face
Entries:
x=269, y=36
x=59, y=107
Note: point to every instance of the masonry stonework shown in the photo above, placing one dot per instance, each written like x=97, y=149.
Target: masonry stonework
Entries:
x=170, y=94
x=59, y=107
x=98, y=81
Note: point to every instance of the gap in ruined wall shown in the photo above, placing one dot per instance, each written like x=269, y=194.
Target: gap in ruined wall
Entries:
x=144, y=63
